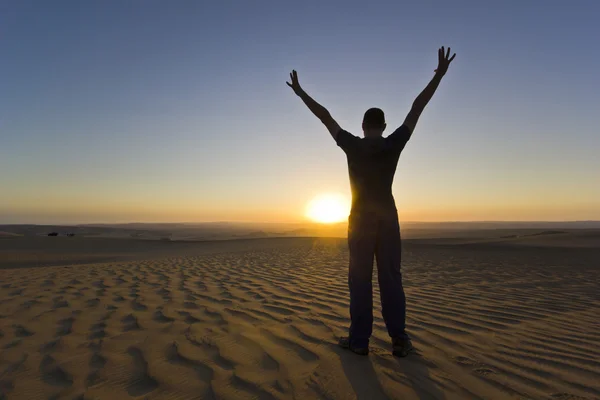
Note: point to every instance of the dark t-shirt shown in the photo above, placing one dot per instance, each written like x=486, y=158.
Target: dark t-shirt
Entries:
x=372, y=164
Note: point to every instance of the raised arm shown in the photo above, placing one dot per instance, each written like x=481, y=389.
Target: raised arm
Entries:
x=423, y=98
x=318, y=110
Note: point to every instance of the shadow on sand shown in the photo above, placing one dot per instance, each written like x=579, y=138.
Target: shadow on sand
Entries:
x=411, y=372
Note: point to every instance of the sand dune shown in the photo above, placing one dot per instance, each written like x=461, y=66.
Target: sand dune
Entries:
x=260, y=322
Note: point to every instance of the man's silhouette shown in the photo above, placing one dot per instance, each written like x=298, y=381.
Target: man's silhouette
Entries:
x=373, y=227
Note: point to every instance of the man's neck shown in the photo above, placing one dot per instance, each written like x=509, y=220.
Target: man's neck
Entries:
x=373, y=134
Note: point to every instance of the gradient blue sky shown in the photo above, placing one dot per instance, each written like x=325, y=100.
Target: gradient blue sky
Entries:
x=115, y=111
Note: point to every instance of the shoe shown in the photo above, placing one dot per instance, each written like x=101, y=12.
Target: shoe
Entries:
x=344, y=343
x=401, y=347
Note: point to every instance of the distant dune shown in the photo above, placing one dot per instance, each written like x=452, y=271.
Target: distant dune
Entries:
x=41, y=250
x=227, y=231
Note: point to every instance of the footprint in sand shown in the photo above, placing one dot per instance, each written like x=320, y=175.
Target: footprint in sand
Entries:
x=464, y=361
x=483, y=370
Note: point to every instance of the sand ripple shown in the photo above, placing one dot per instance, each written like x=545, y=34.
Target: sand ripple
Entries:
x=262, y=324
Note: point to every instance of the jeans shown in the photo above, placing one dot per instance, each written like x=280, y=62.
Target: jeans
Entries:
x=373, y=235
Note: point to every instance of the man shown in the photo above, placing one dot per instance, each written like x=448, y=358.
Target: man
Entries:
x=373, y=227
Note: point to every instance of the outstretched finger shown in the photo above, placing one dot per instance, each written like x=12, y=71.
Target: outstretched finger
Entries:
x=452, y=58
x=289, y=84
x=448, y=53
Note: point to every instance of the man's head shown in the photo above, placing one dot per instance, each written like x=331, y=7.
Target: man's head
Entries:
x=373, y=122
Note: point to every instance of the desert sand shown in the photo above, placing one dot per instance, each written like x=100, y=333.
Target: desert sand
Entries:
x=91, y=318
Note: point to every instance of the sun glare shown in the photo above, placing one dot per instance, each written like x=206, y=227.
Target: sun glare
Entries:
x=328, y=208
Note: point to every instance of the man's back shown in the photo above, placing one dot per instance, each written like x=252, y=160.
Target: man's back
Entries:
x=372, y=163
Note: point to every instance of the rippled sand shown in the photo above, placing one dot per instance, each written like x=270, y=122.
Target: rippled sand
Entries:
x=261, y=322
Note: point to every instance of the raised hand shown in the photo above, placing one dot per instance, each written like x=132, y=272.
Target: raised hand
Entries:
x=295, y=85
x=444, y=60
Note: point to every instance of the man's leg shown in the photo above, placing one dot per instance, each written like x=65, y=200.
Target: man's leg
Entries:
x=389, y=257
x=362, y=236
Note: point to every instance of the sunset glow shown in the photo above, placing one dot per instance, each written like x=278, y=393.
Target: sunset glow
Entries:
x=328, y=208
x=183, y=115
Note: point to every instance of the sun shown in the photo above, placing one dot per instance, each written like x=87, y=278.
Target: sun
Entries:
x=328, y=208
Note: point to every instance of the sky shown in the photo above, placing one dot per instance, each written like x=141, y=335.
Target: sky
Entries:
x=178, y=111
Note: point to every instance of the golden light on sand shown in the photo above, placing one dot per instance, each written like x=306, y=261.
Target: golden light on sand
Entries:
x=328, y=208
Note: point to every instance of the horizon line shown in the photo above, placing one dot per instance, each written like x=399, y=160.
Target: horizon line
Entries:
x=305, y=223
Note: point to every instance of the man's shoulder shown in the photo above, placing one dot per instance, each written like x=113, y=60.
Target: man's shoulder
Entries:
x=403, y=133
x=347, y=135
x=398, y=139
x=346, y=140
